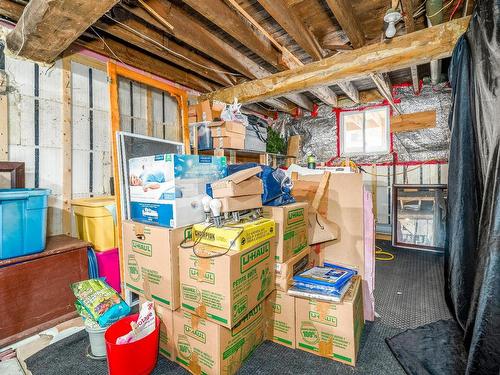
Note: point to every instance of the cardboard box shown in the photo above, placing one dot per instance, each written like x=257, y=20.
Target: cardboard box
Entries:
x=204, y=347
x=320, y=229
x=167, y=189
x=237, y=143
x=218, y=128
x=280, y=311
x=166, y=316
x=229, y=189
x=331, y=330
x=240, y=183
x=349, y=205
x=247, y=202
x=151, y=261
x=204, y=111
x=286, y=271
x=291, y=229
x=241, y=236
x=225, y=288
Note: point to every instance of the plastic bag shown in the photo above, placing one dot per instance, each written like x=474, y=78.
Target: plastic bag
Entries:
x=144, y=326
x=97, y=301
x=232, y=112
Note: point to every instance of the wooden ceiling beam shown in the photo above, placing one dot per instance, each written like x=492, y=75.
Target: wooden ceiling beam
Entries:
x=291, y=23
x=193, y=33
x=47, y=27
x=344, y=14
x=349, y=89
x=129, y=31
x=280, y=105
x=420, y=47
x=147, y=63
x=301, y=100
x=240, y=29
x=249, y=108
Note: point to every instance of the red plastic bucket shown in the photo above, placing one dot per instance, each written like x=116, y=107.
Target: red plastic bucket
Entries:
x=135, y=358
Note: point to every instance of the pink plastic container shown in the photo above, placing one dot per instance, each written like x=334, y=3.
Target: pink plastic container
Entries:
x=108, y=262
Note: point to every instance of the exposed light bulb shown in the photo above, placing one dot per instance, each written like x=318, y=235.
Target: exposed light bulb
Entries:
x=205, y=201
x=215, y=206
x=392, y=17
x=391, y=30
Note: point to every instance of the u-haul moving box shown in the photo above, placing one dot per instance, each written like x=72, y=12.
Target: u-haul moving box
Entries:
x=151, y=261
x=331, y=330
x=280, y=311
x=225, y=288
x=204, y=347
x=291, y=229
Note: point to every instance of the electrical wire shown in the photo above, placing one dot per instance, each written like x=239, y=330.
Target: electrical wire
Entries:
x=455, y=9
x=383, y=255
x=147, y=38
x=440, y=10
x=106, y=44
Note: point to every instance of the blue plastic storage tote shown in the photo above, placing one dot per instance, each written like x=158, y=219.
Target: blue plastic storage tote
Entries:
x=23, y=221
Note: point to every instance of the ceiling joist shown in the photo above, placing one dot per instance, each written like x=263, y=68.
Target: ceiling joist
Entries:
x=47, y=27
x=342, y=10
x=384, y=86
x=401, y=52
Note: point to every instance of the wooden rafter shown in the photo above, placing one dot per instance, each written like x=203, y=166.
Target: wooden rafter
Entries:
x=349, y=89
x=411, y=49
x=47, y=27
x=384, y=86
x=192, y=32
x=130, y=31
x=231, y=22
x=342, y=10
x=290, y=22
x=279, y=105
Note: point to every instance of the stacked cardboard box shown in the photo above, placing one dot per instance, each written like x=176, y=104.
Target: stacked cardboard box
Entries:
x=225, y=277
x=240, y=191
x=228, y=134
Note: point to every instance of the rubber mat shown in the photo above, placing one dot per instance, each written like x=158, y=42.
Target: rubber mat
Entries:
x=409, y=293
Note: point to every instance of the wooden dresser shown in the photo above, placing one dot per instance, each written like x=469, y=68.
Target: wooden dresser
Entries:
x=35, y=289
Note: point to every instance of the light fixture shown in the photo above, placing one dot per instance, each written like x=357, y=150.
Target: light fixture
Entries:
x=392, y=17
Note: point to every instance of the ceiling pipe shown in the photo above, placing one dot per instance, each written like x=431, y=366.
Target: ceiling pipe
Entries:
x=434, y=10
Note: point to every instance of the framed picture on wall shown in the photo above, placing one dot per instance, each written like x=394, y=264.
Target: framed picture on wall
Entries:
x=419, y=217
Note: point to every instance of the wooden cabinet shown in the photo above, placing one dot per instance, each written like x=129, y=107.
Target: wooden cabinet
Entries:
x=35, y=290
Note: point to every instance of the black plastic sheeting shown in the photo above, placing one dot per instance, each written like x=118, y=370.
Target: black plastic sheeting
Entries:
x=432, y=349
x=470, y=344
x=473, y=254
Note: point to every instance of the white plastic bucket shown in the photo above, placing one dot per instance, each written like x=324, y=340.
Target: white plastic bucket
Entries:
x=97, y=343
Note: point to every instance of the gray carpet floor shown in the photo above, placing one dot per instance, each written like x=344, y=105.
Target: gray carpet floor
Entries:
x=409, y=292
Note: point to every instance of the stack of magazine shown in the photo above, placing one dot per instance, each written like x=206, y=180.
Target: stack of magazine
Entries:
x=329, y=283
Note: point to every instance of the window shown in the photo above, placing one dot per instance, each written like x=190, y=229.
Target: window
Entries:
x=364, y=132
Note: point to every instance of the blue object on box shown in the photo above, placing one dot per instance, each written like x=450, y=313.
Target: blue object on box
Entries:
x=277, y=186
x=23, y=221
x=205, y=141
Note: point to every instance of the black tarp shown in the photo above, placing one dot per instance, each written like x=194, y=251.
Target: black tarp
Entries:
x=472, y=263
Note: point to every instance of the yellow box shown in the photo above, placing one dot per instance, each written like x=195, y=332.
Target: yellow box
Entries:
x=95, y=221
x=241, y=236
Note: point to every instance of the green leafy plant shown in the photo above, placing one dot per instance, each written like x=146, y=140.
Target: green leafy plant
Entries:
x=275, y=144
